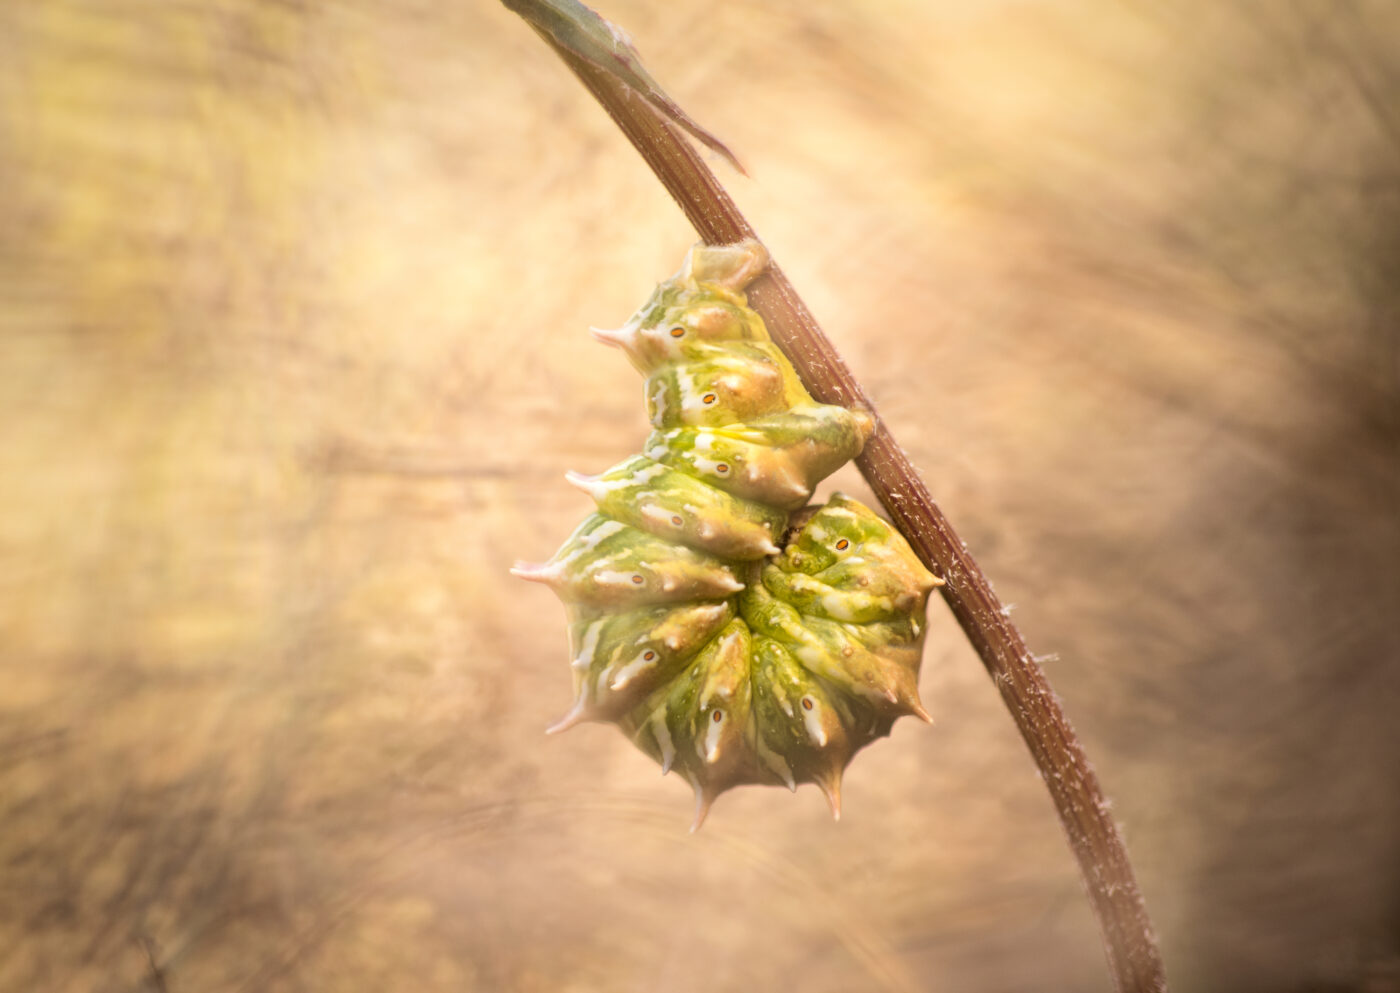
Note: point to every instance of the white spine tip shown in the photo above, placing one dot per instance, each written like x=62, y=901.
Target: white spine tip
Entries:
x=581, y=481
x=833, y=796
x=702, y=808
x=609, y=336
x=537, y=572
x=574, y=716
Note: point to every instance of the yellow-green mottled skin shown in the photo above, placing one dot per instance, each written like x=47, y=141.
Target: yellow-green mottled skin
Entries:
x=726, y=646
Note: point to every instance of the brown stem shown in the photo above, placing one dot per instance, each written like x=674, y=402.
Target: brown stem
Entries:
x=1129, y=941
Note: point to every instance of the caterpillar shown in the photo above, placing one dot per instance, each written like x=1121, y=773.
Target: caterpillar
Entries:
x=733, y=633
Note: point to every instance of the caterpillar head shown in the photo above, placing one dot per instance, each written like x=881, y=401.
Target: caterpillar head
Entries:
x=702, y=304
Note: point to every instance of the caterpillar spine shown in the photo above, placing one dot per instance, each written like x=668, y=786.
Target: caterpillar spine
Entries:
x=733, y=635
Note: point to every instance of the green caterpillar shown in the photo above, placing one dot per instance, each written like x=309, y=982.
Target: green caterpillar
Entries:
x=732, y=634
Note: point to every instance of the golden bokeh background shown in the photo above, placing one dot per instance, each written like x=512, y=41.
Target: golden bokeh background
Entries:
x=293, y=301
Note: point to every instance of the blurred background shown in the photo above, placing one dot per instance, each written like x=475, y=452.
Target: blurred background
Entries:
x=293, y=356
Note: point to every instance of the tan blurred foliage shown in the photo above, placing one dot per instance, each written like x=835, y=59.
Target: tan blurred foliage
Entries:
x=293, y=302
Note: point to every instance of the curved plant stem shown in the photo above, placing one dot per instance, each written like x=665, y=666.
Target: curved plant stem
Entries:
x=1129, y=941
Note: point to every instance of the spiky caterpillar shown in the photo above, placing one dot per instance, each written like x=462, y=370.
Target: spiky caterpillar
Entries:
x=730, y=633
